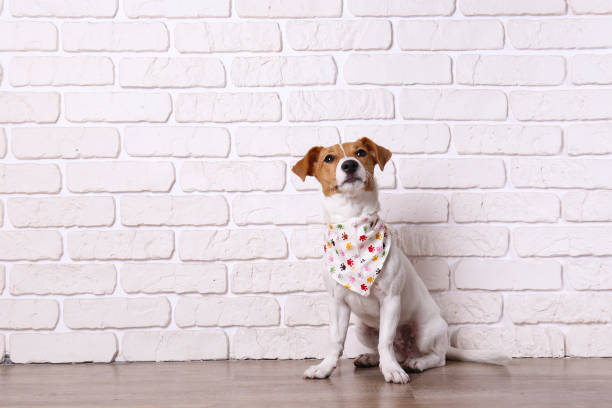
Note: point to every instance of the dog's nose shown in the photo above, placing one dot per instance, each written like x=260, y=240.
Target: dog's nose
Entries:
x=349, y=166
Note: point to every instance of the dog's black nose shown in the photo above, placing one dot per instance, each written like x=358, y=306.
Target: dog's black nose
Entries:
x=349, y=166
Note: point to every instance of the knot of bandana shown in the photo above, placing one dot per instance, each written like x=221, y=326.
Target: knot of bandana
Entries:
x=356, y=251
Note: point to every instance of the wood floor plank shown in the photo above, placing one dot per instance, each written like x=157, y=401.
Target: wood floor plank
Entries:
x=525, y=383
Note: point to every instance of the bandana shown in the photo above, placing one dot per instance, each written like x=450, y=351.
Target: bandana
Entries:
x=356, y=251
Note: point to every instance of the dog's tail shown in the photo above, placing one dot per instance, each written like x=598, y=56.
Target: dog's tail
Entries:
x=478, y=356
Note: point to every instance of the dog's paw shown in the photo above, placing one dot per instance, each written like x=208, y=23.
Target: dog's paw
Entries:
x=318, y=371
x=416, y=364
x=395, y=374
x=366, y=360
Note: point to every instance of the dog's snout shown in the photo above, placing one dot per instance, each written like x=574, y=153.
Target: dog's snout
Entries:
x=350, y=166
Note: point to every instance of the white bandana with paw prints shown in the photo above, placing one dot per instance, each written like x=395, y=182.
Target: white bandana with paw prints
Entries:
x=355, y=252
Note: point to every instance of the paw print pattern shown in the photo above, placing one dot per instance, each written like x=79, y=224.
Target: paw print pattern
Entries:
x=359, y=259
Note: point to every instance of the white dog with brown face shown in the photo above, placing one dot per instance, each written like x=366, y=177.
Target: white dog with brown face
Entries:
x=369, y=275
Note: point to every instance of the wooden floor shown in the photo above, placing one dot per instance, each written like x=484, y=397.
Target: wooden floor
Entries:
x=525, y=383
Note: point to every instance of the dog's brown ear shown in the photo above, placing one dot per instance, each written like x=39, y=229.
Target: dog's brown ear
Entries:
x=381, y=154
x=305, y=166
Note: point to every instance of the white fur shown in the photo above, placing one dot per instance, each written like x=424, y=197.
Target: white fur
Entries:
x=399, y=304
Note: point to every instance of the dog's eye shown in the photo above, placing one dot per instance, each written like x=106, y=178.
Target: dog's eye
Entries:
x=329, y=158
x=361, y=153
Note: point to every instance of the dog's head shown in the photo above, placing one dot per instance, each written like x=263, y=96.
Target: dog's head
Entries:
x=343, y=169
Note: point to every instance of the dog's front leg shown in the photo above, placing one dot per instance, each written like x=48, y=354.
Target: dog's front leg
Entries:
x=389, y=318
x=339, y=315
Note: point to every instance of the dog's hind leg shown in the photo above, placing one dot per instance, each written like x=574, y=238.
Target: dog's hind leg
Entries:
x=368, y=336
x=432, y=342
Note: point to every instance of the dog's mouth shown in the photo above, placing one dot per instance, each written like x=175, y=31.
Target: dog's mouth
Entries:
x=351, y=180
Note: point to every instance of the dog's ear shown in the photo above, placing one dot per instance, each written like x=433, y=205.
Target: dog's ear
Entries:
x=305, y=166
x=381, y=154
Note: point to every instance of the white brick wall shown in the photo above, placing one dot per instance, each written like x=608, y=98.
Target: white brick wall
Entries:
x=146, y=148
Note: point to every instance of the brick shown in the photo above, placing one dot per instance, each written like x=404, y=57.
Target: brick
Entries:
x=104, y=313
x=452, y=173
x=561, y=173
x=282, y=71
x=233, y=176
x=29, y=107
x=559, y=34
x=312, y=106
x=282, y=140
x=414, y=207
x=277, y=209
x=173, y=9
x=450, y=35
x=418, y=138
x=453, y=104
x=65, y=142
x=177, y=141
x=560, y=308
x=589, y=104
x=110, y=176
x=173, y=278
x=289, y=9
x=368, y=34
x=589, y=274
x=590, y=7
x=227, y=311
x=310, y=310
x=30, y=245
x=2, y=346
x=588, y=139
x=562, y=241
x=227, y=37
x=117, y=107
x=588, y=341
x=154, y=72
x=454, y=241
x=63, y=279
x=274, y=277
x=591, y=69
x=27, y=36
x=583, y=206
x=27, y=348
x=511, y=7
x=35, y=314
x=515, y=341
x=174, y=210
x=397, y=69
x=3, y=142
x=32, y=212
x=174, y=345
x=108, y=36
x=466, y=307
x=434, y=273
x=63, y=8
x=307, y=242
x=61, y=71
x=2, y=279
x=401, y=8
x=505, y=207
x=279, y=343
x=510, y=70
x=507, y=139
x=228, y=107
x=30, y=178
x=118, y=244
x=502, y=274
x=214, y=245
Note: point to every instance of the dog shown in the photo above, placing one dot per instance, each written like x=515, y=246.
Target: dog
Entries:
x=368, y=274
